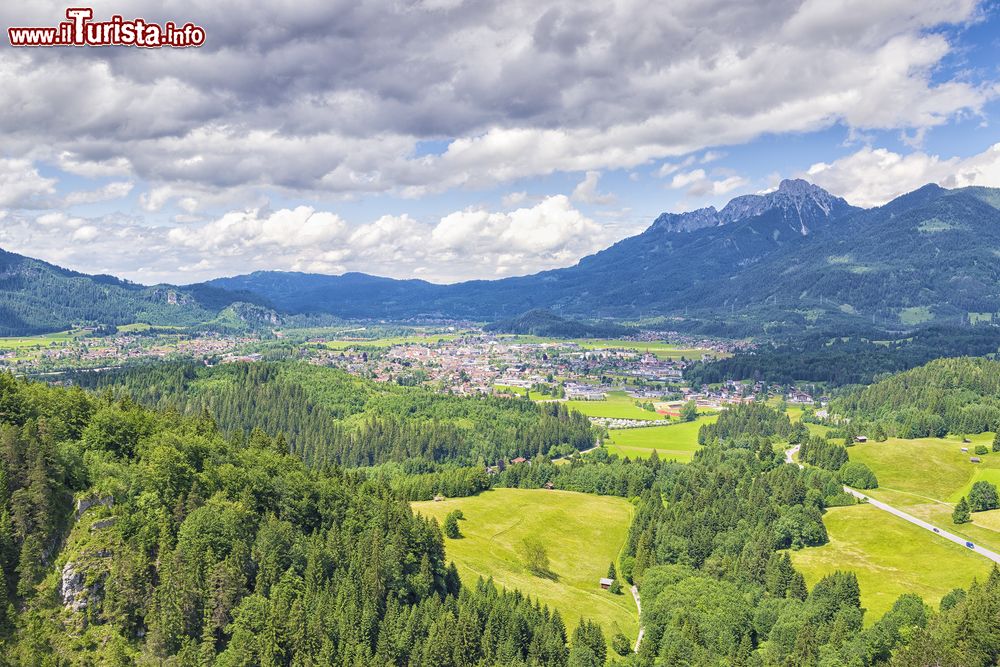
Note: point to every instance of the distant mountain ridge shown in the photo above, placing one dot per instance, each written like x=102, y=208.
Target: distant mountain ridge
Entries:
x=38, y=297
x=793, y=259
x=789, y=260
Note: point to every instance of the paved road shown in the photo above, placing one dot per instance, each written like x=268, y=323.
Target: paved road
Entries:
x=992, y=555
x=638, y=607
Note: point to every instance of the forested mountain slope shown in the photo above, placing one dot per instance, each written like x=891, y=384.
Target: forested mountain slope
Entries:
x=37, y=297
x=136, y=537
x=959, y=395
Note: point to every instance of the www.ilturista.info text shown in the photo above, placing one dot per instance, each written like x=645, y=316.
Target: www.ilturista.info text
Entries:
x=81, y=30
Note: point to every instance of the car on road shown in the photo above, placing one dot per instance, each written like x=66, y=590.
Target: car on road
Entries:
x=937, y=530
x=970, y=545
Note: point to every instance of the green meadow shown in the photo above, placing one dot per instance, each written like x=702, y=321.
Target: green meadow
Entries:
x=659, y=349
x=582, y=533
x=351, y=343
x=927, y=468
x=674, y=442
x=926, y=476
x=44, y=340
x=890, y=557
x=618, y=405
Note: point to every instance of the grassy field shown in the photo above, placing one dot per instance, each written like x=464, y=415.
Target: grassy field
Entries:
x=675, y=442
x=794, y=413
x=659, y=349
x=45, y=340
x=925, y=477
x=583, y=533
x=991, y=475
x=926, y=468
x=890, y=557
x=618, y=404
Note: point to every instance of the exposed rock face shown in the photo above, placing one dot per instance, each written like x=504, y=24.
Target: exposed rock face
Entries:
x=81, y=585
x=800, y=200
x=688, y=222
x=103, y=523
x=84, y=504
x=73, y=591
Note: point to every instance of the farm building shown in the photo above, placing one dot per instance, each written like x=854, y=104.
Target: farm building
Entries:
x=974, y=459
x=438, y=499
x=519, y=459
x=548, y=485
x=860, y=438
x=606, y=583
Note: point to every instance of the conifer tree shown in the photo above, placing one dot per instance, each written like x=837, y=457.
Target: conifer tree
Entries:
x=961, y=514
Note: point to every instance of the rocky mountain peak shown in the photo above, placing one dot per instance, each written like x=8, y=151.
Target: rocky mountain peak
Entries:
x=797, y=199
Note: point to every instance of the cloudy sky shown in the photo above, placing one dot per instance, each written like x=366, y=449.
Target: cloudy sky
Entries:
x=450, y=140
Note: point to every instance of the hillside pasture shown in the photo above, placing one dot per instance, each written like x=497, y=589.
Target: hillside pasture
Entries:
x=582, y=534
x=890, y=557
x=927, y=476
x=934, y=468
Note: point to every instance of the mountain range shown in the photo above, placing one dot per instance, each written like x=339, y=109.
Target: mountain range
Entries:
x=38, y=297
x=792, y=259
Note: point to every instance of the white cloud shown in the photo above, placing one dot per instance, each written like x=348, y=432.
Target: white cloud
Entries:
x=668, y=168
x=687, y=178
x=109, y=192
x=873, y=176
x=697, y=183
x=552, y=228
x=21, y=186
x=74, y=164
x=586, y=190
x=466, y=244
x=255, y=108
x=514, y=198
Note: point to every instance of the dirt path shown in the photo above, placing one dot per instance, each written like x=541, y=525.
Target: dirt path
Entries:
x=638, y=607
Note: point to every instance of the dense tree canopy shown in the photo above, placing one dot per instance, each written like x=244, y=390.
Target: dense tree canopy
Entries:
x=329, y=416
x=189, y=548
x=960, y=395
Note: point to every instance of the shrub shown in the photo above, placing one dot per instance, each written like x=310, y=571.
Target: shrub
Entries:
x=981, y=449
x=621, y=645
x=628, y=567
x=858, y=475
x=535, y=556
